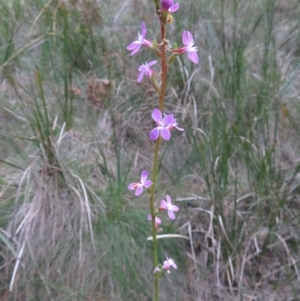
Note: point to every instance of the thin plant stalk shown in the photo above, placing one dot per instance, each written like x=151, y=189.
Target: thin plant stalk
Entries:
x=162, y=93
x=155, y=257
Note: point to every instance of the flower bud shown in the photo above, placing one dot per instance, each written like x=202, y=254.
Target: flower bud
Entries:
x=156, y=270
x=166, y=4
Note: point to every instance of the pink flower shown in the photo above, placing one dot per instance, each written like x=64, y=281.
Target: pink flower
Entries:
x=145, y=70
x=174, y=124
x=168, y=264
x=189, y=48
x=189, y=42
x=168, y=206
x=139, y=186
x=157, y=220
x=136, y=45
x=162, y=125
x=168, y=5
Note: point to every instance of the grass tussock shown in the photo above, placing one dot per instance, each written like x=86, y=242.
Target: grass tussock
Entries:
x=74, y=133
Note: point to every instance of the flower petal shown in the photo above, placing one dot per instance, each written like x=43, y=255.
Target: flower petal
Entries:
x=173, y=208
x=132, y=186
x=136, y=49
x=149, y=217
x=147, y=43
x=165, y=134
x=144, y=176
x=156, y=116
x=168, y=119
x=173, y=8
x=189, y=37
x=166, y=265
x=142, y=68
x=150, y=64
x=168, y=198
x=193, y=56
x=144, y=29
x=171, y=215
x=184, y=38
x=139, y=190
x=157, y=220
x=163, y=205
x=133, y=45
x=148, y=72
x=147, y=183
x=140, y=77
x=154, y=134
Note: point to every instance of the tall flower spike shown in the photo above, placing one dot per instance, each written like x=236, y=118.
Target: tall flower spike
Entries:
x=168, y=206
x=139, y=186
x=162, y=125
x=136, y=45
x=168, y=5
x=145, y=70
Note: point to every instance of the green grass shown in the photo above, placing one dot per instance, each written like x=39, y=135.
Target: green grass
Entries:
x=74, y=132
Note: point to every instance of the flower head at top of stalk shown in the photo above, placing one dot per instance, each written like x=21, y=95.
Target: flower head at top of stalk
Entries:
x=169, y=6
x=143, y=183
x=189, y=48
x=136, y=45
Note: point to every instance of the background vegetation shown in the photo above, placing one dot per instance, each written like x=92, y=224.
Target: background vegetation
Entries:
x=74, y=133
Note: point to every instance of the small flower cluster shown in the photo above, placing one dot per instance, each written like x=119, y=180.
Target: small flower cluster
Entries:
x=165, y=205
x=168, y=7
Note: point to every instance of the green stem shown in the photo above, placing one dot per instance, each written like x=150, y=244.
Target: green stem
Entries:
x=154, y=174
x=162, y=92
x=164, y=67
x=156, y=2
